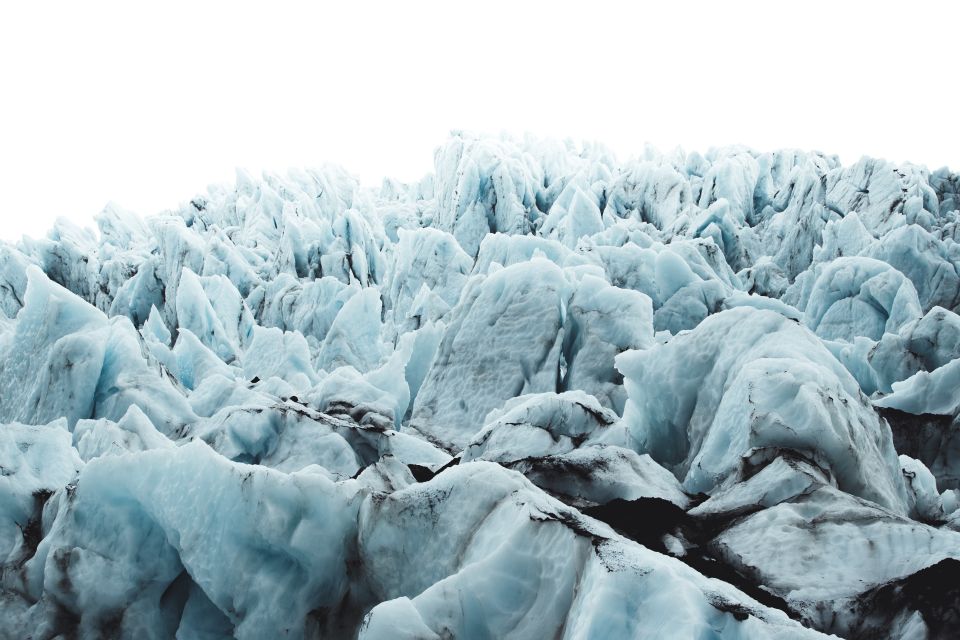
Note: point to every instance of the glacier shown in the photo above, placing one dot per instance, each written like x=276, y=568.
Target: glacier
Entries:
x=539, y=393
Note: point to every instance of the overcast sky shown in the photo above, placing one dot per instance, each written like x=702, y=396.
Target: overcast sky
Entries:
x=106, y=101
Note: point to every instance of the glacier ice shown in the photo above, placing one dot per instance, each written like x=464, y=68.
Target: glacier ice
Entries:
x=539, y=393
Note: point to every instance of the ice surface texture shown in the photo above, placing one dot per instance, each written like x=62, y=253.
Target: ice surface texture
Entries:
x=540, y=393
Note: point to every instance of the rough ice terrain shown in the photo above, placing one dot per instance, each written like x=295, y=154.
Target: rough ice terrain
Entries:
x=540, y=393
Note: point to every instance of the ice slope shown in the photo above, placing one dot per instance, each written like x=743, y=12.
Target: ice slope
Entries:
x=541, y=392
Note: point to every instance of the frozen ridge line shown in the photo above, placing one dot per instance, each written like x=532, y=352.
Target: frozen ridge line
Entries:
x=540, y=393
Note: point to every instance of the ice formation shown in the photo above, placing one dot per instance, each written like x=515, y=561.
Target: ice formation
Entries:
x=540, y=393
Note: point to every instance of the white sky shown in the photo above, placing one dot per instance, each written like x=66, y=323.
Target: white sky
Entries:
x=145, y=106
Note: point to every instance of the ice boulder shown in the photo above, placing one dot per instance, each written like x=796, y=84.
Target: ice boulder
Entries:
x=856, y=558
x=125, y=554
x=425, y=258
x=37, y=460
x=51, y=355
x=852, y=297
x=746, y=379
x=504, y=339
x=603, y=321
